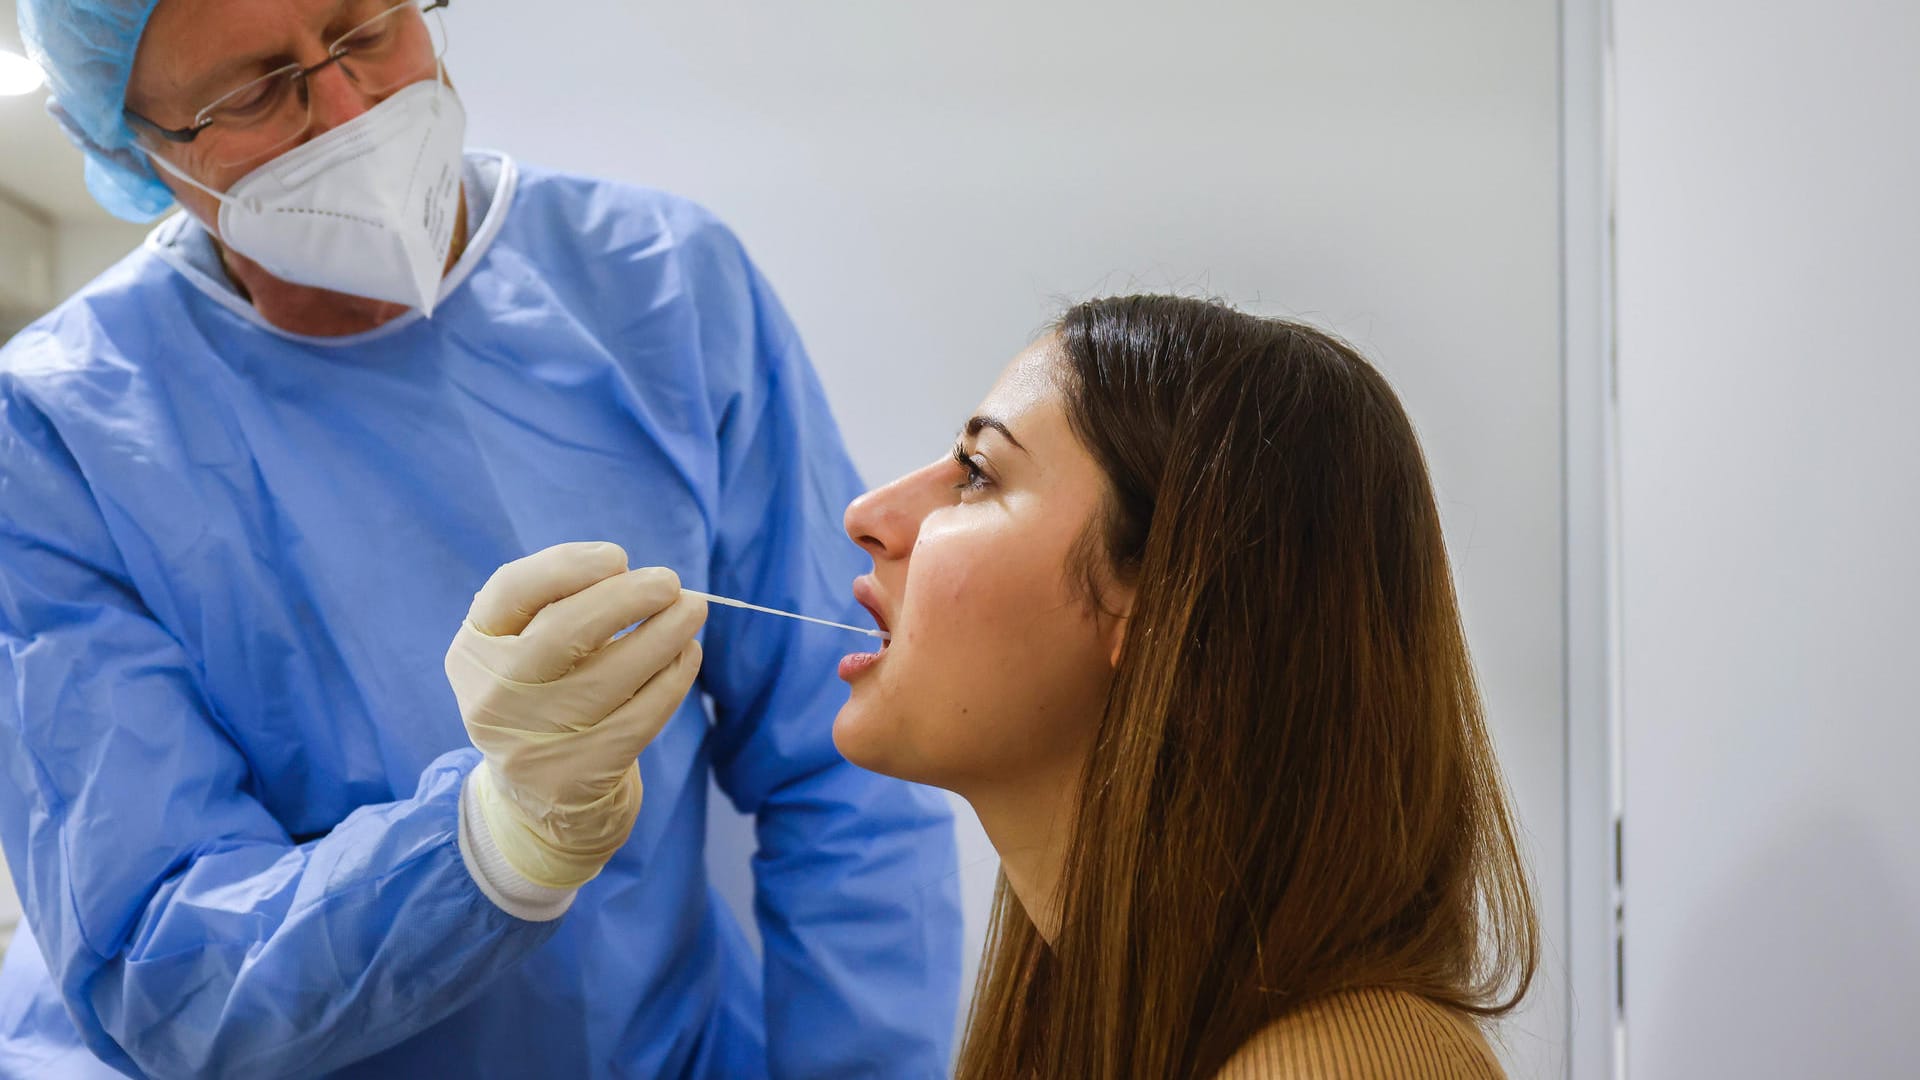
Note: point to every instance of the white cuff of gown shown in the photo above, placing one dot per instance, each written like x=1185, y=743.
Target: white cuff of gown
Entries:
x=509, y=889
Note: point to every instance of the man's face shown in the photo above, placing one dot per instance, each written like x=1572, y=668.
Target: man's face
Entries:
x=194, y=52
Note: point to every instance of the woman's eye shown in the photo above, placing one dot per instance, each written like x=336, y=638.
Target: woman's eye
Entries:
x=974, y=477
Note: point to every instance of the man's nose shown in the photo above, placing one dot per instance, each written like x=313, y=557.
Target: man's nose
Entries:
x=886, y=521
x=335, y=98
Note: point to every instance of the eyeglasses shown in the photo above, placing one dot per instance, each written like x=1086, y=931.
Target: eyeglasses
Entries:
x=398, y=47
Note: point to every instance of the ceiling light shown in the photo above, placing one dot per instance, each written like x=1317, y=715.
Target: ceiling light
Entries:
x=18, y=75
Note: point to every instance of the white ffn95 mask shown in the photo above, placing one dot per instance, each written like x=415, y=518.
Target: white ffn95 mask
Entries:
x=368, y=208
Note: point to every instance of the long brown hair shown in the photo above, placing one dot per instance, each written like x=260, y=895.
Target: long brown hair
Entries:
x=1291, y=791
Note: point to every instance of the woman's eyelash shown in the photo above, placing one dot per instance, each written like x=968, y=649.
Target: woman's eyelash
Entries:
x=976, y=477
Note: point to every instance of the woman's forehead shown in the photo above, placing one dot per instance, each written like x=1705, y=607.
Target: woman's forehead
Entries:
x=1029, y=383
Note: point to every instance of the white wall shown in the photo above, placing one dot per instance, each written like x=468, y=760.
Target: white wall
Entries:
x=1769, y=279
x=44, y=260
x=82, y=249
x=926, y=183
x=26, y=264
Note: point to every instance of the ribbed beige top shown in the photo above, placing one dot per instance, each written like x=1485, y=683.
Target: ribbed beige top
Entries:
x=1368, y=1035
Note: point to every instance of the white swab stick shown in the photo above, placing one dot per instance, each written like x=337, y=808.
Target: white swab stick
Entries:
x=710, y=598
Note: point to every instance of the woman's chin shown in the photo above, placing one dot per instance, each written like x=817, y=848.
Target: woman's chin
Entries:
x=875, y=742
x=854, y=736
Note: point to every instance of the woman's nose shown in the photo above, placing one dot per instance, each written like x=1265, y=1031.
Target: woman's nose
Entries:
x=886, y=521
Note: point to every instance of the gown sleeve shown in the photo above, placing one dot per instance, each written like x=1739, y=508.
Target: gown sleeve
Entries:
x=186, y=931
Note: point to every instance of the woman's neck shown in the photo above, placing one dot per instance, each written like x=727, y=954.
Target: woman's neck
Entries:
x=1030, y=822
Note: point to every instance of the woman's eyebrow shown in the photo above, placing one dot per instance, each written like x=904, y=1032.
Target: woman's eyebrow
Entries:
x=980, y=423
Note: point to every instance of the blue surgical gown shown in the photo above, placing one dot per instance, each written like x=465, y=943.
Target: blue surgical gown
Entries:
x=230, y=563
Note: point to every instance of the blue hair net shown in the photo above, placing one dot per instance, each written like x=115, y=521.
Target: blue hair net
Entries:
x=86, y=48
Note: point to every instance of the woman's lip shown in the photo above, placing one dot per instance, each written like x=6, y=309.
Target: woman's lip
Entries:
x=867, y=596
x=855, y=665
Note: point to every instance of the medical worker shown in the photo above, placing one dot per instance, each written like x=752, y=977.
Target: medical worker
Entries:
x=251, y=480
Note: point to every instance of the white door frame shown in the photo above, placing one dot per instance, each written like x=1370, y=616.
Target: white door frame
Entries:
x=1591, y=535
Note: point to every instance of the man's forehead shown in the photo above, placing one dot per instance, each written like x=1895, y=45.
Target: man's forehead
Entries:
x=191, y=44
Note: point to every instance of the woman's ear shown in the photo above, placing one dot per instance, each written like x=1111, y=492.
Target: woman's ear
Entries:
x=1119, y=600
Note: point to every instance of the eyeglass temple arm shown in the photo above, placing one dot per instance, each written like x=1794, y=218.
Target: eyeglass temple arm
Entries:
x=174, y=135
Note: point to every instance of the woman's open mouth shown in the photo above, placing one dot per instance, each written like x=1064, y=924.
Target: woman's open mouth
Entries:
x=857, y=664
x=879, y=620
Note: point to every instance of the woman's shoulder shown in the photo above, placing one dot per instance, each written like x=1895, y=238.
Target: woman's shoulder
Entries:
x=1368, y=1035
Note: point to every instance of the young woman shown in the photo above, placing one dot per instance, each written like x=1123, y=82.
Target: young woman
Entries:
x=1176, y=618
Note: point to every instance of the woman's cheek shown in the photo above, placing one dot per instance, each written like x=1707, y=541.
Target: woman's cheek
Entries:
x=940, y=568
x=990, y=571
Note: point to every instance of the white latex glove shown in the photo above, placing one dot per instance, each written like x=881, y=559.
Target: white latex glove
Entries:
x=560, y=710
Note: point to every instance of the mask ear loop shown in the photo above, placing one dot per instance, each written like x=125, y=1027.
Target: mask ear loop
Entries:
x=180, y=174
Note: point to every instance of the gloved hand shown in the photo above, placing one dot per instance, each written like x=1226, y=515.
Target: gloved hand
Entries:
x=560, y=710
